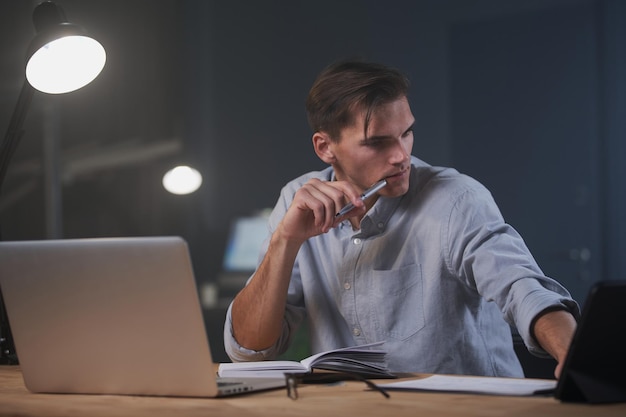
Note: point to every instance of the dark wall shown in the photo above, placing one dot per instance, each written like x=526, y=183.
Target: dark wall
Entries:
x=225, y=83
x=524, y=104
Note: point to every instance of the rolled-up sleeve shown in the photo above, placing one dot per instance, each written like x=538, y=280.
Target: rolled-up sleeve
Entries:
x=491, y=256
x=238, y=353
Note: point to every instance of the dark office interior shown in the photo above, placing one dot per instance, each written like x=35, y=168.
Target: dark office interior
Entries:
x=527, y=96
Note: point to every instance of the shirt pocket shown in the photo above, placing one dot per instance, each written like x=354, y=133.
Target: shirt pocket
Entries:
x=398, y=301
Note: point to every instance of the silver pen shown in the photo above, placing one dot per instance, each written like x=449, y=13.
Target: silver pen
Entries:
x=366, y=194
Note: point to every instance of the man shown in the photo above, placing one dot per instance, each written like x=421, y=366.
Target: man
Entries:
x=428, y=264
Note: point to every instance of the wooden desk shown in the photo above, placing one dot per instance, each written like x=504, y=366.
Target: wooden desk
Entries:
x=347, y=399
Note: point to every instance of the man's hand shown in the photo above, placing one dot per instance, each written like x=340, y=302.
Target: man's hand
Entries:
x=315, y=206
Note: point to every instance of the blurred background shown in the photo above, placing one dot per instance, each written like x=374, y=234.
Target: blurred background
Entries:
x=527, y=96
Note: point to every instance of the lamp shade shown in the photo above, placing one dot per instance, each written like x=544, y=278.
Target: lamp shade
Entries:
x=62, y=57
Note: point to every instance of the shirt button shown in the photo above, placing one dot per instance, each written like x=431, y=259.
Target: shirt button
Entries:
x=356, y=332
x=347, y=285
x=381, y=225
x=356, y=241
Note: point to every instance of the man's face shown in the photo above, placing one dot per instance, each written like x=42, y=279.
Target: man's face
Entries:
x=383, y=154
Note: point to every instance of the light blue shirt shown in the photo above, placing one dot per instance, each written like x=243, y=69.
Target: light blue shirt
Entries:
x=436, y=273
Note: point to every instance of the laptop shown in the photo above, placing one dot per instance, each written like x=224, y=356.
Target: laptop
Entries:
x=111, y=316
x=594, y=370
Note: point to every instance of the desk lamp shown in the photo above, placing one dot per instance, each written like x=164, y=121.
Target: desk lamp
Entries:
x=61, y=58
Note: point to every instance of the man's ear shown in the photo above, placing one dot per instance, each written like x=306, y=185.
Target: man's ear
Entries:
x=323, y=146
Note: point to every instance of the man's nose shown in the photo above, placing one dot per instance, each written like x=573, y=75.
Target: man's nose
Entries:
x=399, y=153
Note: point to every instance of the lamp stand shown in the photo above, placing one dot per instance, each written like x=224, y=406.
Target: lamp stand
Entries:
x=7, y=149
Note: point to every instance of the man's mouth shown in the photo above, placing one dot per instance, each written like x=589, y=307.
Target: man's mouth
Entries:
x=398, y=174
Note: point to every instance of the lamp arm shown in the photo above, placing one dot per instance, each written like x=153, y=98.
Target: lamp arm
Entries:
x=7, y=149
x=14, y=132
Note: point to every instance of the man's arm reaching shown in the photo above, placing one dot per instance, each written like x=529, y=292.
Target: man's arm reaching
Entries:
x=554, y=331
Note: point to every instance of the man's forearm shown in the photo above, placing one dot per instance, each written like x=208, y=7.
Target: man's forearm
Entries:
x=258, y=310
x=554, y=331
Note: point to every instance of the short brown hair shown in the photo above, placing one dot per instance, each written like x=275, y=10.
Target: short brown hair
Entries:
x=348, y=86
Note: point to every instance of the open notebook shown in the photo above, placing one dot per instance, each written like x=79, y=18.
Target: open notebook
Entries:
x=110, y=316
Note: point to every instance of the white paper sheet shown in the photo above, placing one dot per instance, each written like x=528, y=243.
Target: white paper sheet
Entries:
x=477, y=385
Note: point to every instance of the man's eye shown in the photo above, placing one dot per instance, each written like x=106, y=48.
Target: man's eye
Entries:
x=375, y=143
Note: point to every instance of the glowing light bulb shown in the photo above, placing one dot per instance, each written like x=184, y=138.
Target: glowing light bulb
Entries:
x=182, y=180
